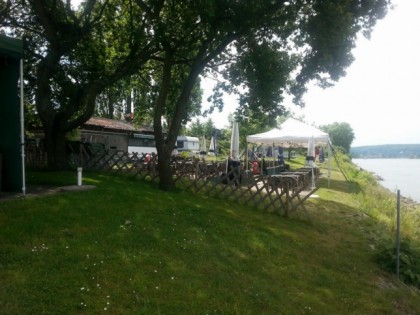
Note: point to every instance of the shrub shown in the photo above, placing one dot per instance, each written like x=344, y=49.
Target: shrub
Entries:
x=409, y=261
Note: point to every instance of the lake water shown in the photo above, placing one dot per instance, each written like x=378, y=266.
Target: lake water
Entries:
x=402, y=174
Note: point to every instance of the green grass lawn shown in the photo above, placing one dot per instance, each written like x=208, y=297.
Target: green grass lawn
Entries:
x=127, y=248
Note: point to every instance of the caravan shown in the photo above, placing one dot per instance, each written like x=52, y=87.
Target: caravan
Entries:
x=190, y=144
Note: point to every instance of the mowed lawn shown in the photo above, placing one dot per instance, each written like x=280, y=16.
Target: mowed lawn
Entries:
x=127, y=248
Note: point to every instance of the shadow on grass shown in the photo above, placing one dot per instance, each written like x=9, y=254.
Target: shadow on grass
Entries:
x=340, y=185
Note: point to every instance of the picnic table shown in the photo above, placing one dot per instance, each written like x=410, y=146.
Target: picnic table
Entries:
x=294, y=185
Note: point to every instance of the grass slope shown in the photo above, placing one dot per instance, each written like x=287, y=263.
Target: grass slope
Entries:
x=128, y=248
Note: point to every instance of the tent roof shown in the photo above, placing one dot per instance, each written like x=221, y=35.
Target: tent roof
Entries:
x=291, y=131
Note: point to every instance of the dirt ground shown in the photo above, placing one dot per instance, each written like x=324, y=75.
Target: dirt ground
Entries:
x=33, y=191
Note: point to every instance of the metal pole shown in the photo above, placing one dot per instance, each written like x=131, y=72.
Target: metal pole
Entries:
x=398, y=234
x=22, y=129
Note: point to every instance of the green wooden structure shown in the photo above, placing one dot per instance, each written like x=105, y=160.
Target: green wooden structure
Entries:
x=11, y=166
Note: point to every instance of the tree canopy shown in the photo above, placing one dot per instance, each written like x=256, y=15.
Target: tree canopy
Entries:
x=341, y=134
x=262, y=50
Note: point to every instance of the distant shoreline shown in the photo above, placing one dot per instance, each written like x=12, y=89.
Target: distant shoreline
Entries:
x=386, y=151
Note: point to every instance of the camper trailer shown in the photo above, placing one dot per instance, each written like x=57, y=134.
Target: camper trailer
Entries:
x=191, y=144
x=141, y=143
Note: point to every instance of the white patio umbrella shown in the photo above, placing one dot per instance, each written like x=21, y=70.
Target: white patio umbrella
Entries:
x=310, y=155
x=234, y=142
x=310, y=158
x=203, y=149
x=212, y=147
x=233, y=163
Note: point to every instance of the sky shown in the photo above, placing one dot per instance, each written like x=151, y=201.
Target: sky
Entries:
x=379, y=96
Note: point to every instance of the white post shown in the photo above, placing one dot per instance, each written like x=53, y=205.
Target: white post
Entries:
x=22, y=131
x=79, y=176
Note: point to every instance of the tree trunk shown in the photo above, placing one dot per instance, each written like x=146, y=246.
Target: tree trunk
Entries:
x=166, y=181
x=55, y=143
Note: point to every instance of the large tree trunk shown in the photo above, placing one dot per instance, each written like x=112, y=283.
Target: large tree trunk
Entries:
x=55, y=143
x=165, y=145
x=166, y=181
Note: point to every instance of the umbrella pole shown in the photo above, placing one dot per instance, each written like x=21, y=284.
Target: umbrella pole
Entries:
x=246, y=156
x=313, y=178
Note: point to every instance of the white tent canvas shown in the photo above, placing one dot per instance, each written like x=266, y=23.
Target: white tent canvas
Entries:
x=291, y=131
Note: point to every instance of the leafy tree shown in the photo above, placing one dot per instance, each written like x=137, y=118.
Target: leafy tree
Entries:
x=196, y=128
x=199, y=129
x=341, y=134
x=73, y=56
x=145, y=85
x=262, y=50
x=113, y=101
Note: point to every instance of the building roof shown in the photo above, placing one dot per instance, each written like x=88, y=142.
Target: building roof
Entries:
x=11, y=47
x=99, y=123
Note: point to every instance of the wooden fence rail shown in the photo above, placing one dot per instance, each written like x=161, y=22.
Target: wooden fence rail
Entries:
x=281, y=193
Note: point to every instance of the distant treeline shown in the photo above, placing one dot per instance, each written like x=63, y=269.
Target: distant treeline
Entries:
x=387, y=151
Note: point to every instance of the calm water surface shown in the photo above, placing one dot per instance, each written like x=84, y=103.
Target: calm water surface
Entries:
x=402, y=174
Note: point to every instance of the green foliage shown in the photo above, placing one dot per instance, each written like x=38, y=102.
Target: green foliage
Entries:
x=341, y=134
x=71, y=56
x=265, y=72
x=185, y=155
x=260, y=50
x=380, y=204
x=200, y=129
x=409, y=261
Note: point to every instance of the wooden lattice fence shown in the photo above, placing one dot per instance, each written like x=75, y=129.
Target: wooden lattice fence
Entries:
x=281, y=193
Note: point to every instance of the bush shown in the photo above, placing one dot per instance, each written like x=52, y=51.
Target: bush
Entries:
x=409, y=261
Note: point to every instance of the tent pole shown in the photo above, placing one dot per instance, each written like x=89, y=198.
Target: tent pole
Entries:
x=22, y=131
x=329, y=161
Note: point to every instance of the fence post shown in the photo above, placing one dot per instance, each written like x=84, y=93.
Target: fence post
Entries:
x=398, y=233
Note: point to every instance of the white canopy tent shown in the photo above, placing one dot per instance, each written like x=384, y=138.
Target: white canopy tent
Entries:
x=294, y=133
x=291, y=132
